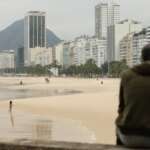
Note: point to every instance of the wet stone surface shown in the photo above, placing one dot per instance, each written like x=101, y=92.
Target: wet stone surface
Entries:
x=38, y=145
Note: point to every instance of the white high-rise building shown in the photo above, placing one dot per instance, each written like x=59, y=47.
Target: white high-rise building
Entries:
x=106, y=14
x=132, y=44
x=80, y=50
x=148, y=34
x=34, y=33
x=7, y=59
x=64, y=54
x=43, y=57
x=126, y=46
x=113, y=14
x=138, y=42
x=116, y=33
x=86, y=48
x=98, y=48
x=101, y=20
x=59, y=53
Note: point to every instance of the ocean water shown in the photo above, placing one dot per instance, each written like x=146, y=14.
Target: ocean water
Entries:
x=7, y=94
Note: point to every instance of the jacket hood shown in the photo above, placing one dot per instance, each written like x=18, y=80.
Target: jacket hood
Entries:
x=142, y=69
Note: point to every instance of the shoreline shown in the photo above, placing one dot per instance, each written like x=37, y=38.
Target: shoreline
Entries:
x=96, y=108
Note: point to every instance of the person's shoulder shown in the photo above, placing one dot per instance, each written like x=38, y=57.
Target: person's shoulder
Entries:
x=127, y=73
x=142, y=69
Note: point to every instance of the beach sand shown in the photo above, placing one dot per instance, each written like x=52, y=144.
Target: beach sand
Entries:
x=94, y=107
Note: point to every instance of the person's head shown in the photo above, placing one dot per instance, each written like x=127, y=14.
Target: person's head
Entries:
x=146, y=53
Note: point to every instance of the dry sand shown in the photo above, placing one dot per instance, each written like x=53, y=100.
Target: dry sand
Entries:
x=95, y=107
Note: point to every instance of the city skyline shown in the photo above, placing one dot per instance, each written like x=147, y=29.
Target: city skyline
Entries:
x=69, y=23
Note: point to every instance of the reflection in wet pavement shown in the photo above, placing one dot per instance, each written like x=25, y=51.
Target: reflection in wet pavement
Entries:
x=6, y=94
x=16, y=126
x=11, y=118
x=42, y=130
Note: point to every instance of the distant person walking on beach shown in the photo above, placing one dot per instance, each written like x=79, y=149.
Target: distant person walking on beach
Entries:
x=21, y=82
x=11, y=113
x=10, y=106
x=46, y=80
x=133, y=121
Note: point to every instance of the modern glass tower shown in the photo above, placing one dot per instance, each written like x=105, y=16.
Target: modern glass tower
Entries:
x=34, y=32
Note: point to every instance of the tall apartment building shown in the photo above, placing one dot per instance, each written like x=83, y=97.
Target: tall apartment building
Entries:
x=115, y=35
x=105, y=15
x=44, y=57
x=7, y=59
x=64, y=54
x=89, y=48
x=80, y=50
x=19, y=57
x=138, y=42
x=34, y=33
x=131, y=46
x=67, y=57
x=113, y=14
x=126, y=52
x=59, y=53
x=98, y=48
x=148, y=34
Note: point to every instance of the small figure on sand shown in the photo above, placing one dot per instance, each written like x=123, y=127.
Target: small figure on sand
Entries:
x=46, y=80
x=10, y=106
x=102, y=82
x=11, y=114
x=21, y=82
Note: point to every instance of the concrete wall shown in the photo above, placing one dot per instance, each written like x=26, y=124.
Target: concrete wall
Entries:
x=39, y=145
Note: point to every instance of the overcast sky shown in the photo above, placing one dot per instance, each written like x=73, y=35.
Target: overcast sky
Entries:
x=70, y=18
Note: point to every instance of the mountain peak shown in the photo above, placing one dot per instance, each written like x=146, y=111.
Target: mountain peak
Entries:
x=12, y=37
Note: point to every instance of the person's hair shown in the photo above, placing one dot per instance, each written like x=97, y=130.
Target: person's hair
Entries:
x=146, y=53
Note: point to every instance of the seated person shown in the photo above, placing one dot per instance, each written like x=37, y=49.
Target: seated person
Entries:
x=133, y=121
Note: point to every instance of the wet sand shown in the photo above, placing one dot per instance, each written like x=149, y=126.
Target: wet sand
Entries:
x=87, y=116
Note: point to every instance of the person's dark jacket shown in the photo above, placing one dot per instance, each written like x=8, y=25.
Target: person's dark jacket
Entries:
x=134, y=101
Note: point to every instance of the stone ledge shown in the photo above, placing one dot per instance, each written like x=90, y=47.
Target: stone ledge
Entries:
x=39, y=145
